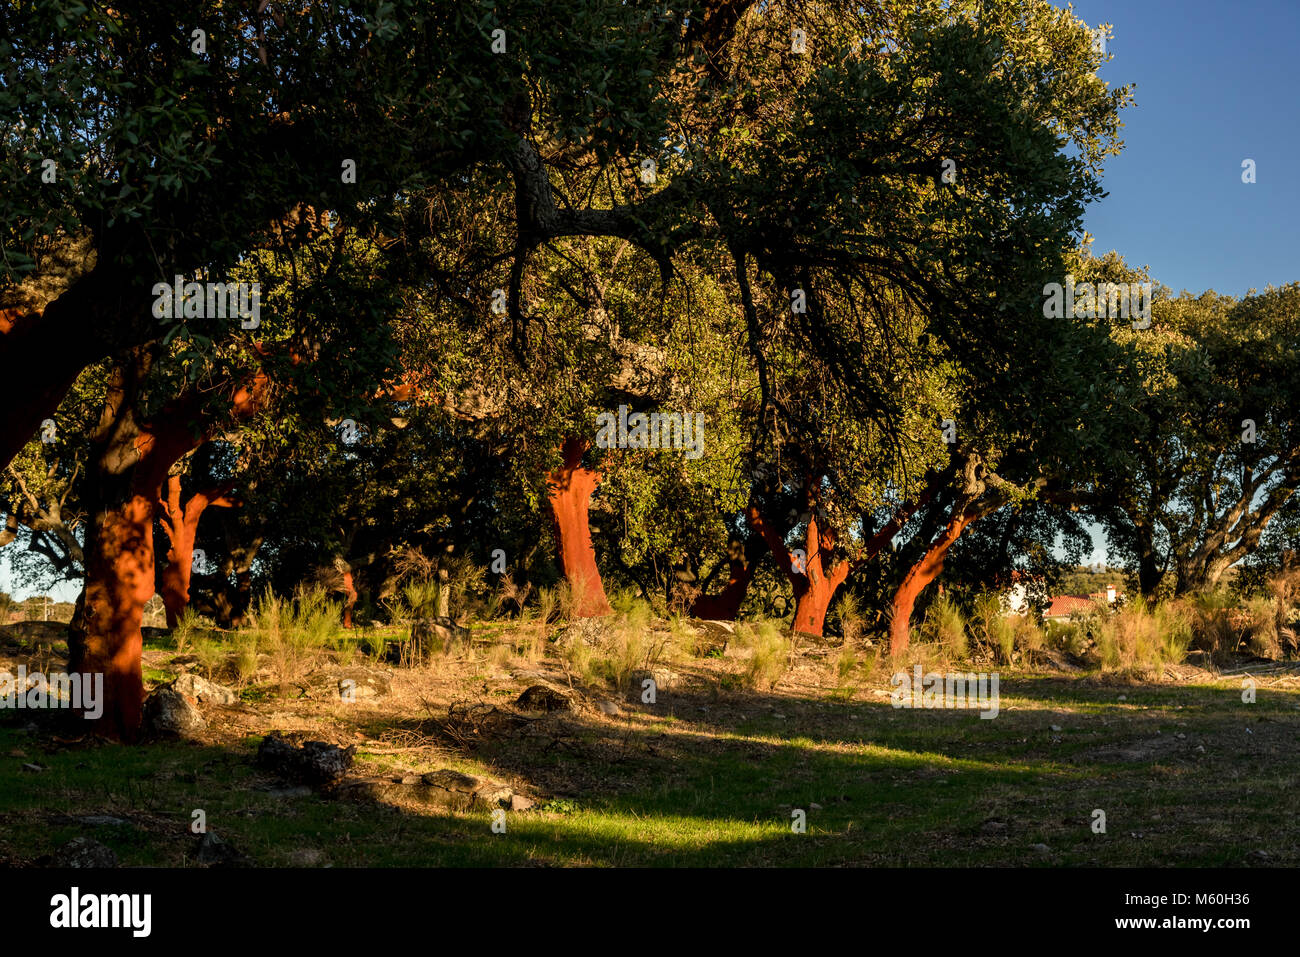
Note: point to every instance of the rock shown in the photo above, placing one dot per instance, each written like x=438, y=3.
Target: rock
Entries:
x=168, y=712
x=1056, y=727
x=216, y=852
x=544, y=698
x=100, y=820
x=450, y=780
x=34, y=768
x=446, y=630
x=204, y=691
x=83, y=852
x=520, y=803
x=361, y=682
x=305, y=857
x=814, y=806
x=1040, y=848
x=993, y=827
x=316, y=762
x=445, y=789
x=300, y=790
x=590, y=631
x=608, y=707
x=663, y=678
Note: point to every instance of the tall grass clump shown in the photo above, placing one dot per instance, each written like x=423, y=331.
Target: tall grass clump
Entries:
x=1141, y=637
x=769, y=654
x=1215, y=625
x=294, y=634
x=945, y=625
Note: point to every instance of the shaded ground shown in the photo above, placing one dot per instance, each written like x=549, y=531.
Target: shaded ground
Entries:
x=1186, y=773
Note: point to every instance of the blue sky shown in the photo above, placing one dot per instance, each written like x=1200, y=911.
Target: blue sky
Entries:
x=1215, y=84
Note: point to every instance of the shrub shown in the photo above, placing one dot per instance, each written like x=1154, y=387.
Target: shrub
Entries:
x=191, y=628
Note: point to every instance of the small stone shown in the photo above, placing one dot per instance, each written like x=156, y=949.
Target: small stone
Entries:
x=1200, y=748
x=1040, y=848
x=316, y=762
x=83, y=852
x=1056, y=727
x=100, y=820
x=815, y=806
x=1123, y=697
x=215, y=851
x=305, y=857
x=520, y=803
x=542, y=697
x=608, y=707
x=293, y=792
x=204, y=691
x=450, y=780
x=34, y=768
x=169, y=713
x=411, y=779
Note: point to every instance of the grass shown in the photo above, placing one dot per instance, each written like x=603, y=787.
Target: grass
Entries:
x=893, y=788
x=709, y=774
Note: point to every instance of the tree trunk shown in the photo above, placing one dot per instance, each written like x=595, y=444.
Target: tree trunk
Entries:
x=813, y=585
x=43, y=353
x=571, y=486
x=725, y=605
x=918, y=577
x=127, y=466
x=349, y=598
x=119, y=581
x=814, y=590
x=181, y=524
x=1149, y=572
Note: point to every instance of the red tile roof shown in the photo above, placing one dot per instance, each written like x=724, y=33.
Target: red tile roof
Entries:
x=1062, y=606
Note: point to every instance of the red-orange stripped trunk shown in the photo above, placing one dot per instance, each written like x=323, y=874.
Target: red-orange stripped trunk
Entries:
x=181, y=524
x=818, y=577
x=571, y=486
x=129, y=461
x=823, y=575
x=919, y=576
x=119, y=581
x=349, y=598
x=725, y=605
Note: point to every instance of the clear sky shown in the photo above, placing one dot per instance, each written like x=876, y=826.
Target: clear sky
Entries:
x=1215, y=85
